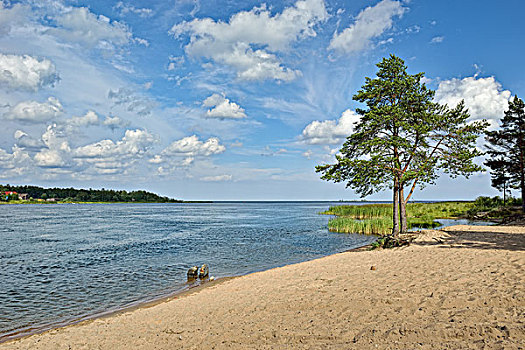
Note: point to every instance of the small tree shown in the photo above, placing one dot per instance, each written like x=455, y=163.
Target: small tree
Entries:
x=403, y=139
x=506, y=150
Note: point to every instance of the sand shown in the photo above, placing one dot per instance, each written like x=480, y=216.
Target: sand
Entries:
x=462, y=288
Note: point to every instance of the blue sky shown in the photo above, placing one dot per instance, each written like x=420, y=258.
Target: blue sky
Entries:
x=231, y=100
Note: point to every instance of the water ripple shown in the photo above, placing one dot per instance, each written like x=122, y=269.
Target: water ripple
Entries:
x=59, y=263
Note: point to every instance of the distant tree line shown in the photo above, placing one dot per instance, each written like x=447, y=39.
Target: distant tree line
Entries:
x=90, y=195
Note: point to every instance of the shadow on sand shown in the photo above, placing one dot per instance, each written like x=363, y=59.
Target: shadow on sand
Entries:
x=479, y=240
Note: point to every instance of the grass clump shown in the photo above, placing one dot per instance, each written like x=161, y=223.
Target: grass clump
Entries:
x=376, y=219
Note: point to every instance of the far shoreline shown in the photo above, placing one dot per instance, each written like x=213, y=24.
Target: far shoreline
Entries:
x=58, y=202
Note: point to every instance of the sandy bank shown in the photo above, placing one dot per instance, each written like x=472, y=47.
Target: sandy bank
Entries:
x=459, y=289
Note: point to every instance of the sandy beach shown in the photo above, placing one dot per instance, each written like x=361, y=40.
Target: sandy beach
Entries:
x=460, y=288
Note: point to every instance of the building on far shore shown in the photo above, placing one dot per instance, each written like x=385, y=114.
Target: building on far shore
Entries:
x=23, y=196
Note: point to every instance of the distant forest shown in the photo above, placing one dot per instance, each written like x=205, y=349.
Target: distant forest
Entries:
x=82, y=195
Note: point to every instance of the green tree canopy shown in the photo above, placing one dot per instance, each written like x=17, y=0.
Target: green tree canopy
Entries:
x=506, y=150
x=403, y=139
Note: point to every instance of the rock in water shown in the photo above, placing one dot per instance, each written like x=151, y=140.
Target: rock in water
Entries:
x=203, y=271
x=193, y=272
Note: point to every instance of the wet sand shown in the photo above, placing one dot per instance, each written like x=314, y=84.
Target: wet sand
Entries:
x=460, y=288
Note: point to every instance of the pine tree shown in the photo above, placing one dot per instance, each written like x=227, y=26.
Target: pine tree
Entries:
x=403, y=139
x=506, y=150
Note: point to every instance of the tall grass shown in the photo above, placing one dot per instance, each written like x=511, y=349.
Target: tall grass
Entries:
x=376, y=219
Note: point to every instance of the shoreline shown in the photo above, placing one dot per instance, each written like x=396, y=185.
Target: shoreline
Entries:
x=140, y=304
x=277, y=301
x=144, y=304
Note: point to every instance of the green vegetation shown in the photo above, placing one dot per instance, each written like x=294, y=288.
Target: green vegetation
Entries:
x=403, y=140
x=375, y=219
x=389, y=242
x=506, y=150
x=37, y=194
x=495, y=209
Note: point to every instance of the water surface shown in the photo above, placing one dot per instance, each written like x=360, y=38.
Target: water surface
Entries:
x=60, y=263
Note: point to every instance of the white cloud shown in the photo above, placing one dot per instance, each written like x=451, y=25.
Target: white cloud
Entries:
x=175, y=61
x=370, y=23
x=115, y=122
x=437, y=39
x=90, y=118
x=307, y=154
x=484, y=97
x=127, y=8
x=134, y=103
x=247, y=40
x=49, y=159
x=134, y=143
x=192, y=146
x=107, y=157
x=23, y=140
x=55, y=138
x=35, y=112
x=13, y=164
x=330, y=131
x=26, y=72
x=223, y=108
x=80, y=25
x=217, y=178
x=12, y=16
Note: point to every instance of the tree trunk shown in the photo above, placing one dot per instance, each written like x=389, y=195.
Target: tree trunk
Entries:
x=402, y=210
x=505, y=193
x=522, y=172
x=395, y=204
x=522, y=192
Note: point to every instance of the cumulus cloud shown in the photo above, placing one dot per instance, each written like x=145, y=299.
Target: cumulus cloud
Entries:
x=484, y=97
x=223, y=108
x=107, y=157
x=192, y=146
x=23, y=140
x=80, y=25
x=182, y=153
x=49, y=159
x=370, y=23
x=115, y=122
x=14, y=163
x=90, y=118
x=56, y=139
x=132, y=101
x=35, y=112
x=134, y=142
x=26, y=72
x=249, y=40
x=330, y=131
x=217, y=178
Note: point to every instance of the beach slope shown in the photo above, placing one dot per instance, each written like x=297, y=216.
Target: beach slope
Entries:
x=460, y=288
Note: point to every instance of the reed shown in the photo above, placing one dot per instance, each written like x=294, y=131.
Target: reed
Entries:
x=376, y=219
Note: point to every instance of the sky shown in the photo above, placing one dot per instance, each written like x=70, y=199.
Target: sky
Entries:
x=232, y=100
